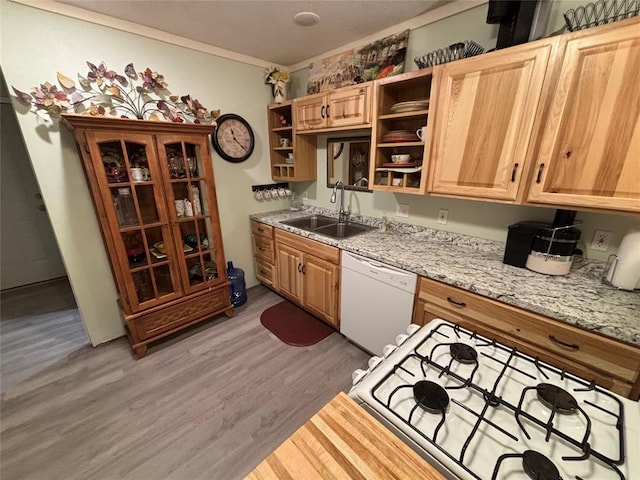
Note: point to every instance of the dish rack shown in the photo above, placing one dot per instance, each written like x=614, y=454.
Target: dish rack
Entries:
x=459, y=50
x=599, y=13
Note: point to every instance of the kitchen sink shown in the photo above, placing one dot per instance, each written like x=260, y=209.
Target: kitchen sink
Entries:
x=311, y=223
x=328, y=226
x=342, y=230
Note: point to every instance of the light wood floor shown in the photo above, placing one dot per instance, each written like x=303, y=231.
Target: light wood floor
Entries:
x=210, y=403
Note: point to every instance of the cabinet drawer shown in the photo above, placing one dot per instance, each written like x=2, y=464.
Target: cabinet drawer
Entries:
x=317, y=249
x=162, y=321
x=599, y=353
x=263, y=248
x=264, y=272
x=261, y=229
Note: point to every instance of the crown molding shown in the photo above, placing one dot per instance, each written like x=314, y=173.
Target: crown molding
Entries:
x=77, y=13
x=431, y=16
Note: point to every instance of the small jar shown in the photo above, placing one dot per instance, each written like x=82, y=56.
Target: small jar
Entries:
x=125, y=208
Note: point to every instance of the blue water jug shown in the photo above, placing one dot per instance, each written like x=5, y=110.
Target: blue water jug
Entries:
x=238, y=287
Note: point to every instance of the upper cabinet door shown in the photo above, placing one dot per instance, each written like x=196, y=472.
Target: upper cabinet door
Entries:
x=349, y=106
x=590, y=149
x=310, y=112
x=485, y=120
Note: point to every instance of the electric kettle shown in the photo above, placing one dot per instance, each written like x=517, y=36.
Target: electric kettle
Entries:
x=624, y=267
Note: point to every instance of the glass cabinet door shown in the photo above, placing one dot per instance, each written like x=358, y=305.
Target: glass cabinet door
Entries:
x=132, y=188
x=192, y=208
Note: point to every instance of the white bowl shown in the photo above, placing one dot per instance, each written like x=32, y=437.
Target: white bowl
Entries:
x=403, y=158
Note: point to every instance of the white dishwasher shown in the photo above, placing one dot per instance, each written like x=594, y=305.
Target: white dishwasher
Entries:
x=376, y=301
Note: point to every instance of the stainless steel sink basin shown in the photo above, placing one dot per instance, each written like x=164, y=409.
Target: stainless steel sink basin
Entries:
x=311, y=223
x=328, y=226
x=343, y=230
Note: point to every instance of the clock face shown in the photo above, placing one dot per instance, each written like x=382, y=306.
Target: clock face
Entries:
x=233, y=138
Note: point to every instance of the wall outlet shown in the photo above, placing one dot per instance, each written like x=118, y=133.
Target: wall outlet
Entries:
x=443, y=216
x=403, y=210
x=601, y=240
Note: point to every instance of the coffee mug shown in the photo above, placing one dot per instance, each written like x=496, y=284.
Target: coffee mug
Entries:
x=139, y=174
x=422, y=133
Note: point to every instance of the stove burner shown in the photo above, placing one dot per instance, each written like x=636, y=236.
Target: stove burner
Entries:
x=431, y=396
x=539, y=467
x=556, y=398
x=463, y=353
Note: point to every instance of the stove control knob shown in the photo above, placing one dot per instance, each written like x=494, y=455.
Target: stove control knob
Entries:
x=400, y=339
x=388, y=350
x=374, y=362
x=412, y=328
x=358, y=375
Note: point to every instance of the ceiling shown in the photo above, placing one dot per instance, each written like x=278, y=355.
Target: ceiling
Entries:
x=264, y=29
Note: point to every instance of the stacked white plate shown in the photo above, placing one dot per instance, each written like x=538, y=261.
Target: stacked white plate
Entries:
x=402, y=107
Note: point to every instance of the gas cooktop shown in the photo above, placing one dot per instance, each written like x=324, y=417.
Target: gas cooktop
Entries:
x=481, y=410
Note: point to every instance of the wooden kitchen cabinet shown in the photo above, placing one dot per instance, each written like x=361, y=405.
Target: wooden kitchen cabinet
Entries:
x=417, y=87
x=485, y=122
x=344, y=108
x=161, y=231
x=302, y=149
x=307, y=273
x=263, y=252
x=612, y=364
x=590, y=149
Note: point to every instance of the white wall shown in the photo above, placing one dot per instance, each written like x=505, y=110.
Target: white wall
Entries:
x=36, y=45
x=482, y=219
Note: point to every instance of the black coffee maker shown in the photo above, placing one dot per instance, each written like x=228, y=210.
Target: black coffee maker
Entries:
x=543, y=247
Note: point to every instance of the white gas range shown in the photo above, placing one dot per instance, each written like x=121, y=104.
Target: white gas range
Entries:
x=477, y=409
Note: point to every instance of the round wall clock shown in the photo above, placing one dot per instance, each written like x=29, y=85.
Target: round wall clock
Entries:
x=233, y=138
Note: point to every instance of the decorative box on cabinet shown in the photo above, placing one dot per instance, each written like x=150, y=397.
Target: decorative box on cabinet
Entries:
x=162, y=233
x=308, y=273
x=485, y=122
x=302, y=167
x=407, y=87
x=610, y=363
x=590, y=149
x=344, y=108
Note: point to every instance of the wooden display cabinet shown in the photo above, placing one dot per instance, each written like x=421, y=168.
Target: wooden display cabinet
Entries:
x=302, y=149
x=407, y=87
x=161, y=231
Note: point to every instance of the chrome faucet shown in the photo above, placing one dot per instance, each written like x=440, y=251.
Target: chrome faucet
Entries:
x=361, y=181
x=343, y=214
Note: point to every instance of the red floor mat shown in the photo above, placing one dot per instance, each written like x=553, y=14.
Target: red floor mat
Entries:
x=293, y=325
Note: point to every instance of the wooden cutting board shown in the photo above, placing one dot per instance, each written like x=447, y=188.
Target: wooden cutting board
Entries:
x=341, y=442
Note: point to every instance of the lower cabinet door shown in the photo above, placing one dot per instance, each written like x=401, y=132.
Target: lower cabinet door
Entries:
x=321, y=288
x=289, y=265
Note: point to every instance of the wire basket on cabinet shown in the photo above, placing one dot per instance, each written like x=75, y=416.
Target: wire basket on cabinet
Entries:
x=600, y=12
x=459, y=50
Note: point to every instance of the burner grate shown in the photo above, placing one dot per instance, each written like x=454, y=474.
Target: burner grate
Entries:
x=432, y=397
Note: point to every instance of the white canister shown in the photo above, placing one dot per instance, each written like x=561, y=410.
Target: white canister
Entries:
x=624, y=271
x=188, y=208
x=180, y=208
x=195, y=199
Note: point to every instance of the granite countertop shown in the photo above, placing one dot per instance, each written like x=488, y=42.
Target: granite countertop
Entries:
x=475, y=264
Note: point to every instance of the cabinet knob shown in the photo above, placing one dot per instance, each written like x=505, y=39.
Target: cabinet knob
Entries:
x=327, y=111
x=322, y=111
x=299, y=268
x=513, y=173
